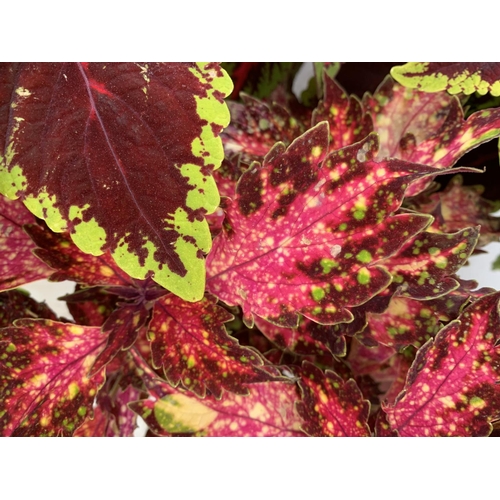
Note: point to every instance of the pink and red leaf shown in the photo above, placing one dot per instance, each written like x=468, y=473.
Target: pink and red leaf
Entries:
x=44, y=384
x=309, y=230
x=331, y=406
x=452, y=387
x=190, y=342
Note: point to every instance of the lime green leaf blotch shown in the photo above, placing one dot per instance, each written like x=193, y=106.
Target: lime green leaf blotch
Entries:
x=207, y=146
x=204, y=193
x=178, y=413
x=434, y=83
x=43, y=207
x=455, y=78
x=189, y=287
x=11, y=182
x=88, y=236
x=364, y=256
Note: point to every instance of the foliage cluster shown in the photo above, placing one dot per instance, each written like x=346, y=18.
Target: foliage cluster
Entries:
x=247, y=263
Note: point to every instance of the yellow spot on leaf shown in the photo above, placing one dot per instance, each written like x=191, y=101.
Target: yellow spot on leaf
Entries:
x=73, y=390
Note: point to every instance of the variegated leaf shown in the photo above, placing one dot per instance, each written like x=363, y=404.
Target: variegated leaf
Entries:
x=423, y=268
x=256, y=127
x=190, y=342
x=68, y=262
x=452, y=387
x=267, y=411
x=348, y=121
x=17, y=304
x=308, y=339
x=331, y=406
x=458, y=207
x=307, y=231
x=455, y=78
x=426, y=128
x=90, y=306
x=122, y=328
x=44, y=385
x=86, y=146
x=18, y=265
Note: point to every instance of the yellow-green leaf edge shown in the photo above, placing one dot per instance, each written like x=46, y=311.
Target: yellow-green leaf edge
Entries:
x=464, y=82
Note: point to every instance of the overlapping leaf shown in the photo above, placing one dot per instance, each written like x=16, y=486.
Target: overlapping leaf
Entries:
x=191, y=344
x=452, y=387
x=44, y=387
x=309, y=338
x=112, y=416
x=405, y=322
x=425, y=265
x=121, y=156
x=455, y=78
x=17, y=304
x=267, y=411
x=256, y=127
x=18, y=265
x=70, y=263
x=307, y=231
x=426, y=128
x=331, y=406
x=458, y=207
x=122, y=328
x=345, y=115
x=90, y=306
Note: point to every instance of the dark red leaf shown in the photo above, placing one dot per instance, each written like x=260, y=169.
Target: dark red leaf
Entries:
x=121, y=156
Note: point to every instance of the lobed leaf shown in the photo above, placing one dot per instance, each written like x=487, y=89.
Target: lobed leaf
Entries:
x=426, y=128
x=348, y=122
x=405, y=322
x=455, y=78
x=190, y=342
x=112, y=416
x=425, y=264
x=331, y=406
x=256, y=127
x=307, y=231
x=44, y=385
x=122, y=328
x=458, y=207
x=88, y=147
x=452, y=386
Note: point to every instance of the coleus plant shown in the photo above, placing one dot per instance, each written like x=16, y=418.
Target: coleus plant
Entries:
x=253, y=266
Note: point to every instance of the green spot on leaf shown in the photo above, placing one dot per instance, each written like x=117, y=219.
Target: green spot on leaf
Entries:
x=364, y=256
x=363, y=276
